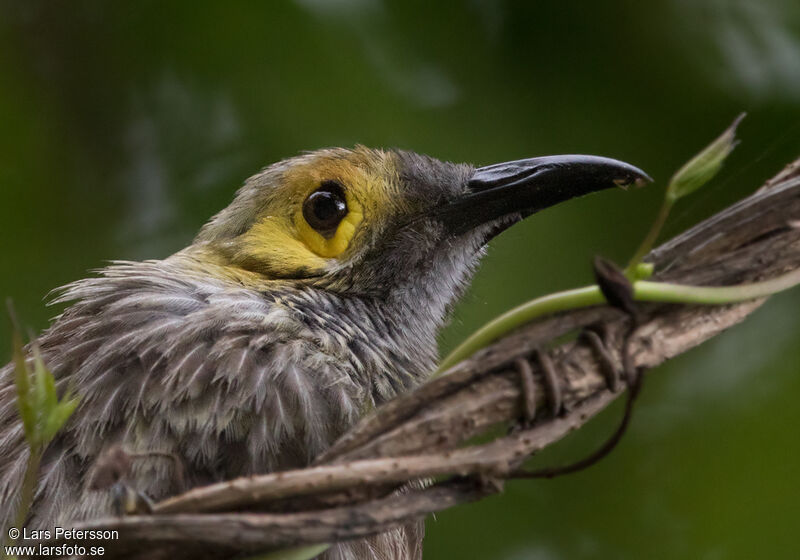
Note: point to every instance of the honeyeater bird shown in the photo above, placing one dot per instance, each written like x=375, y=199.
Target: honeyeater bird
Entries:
x=314, y=297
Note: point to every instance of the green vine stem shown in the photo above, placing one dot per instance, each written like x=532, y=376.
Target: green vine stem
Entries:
x=590, y=295
x=650, y=239
x=28, y=488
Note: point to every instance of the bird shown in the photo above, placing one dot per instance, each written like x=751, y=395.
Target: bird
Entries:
x=313, y=298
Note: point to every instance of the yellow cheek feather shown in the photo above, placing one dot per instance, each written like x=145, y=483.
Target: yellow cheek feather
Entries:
x=340, y=240
x=271, y=246
x=277, y=246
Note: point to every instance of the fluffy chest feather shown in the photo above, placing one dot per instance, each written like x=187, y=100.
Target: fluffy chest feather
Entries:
x=230, y=380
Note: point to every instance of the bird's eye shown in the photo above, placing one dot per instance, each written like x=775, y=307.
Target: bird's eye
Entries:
x=325, y=208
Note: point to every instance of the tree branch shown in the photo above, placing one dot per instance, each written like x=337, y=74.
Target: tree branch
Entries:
x=351, y=491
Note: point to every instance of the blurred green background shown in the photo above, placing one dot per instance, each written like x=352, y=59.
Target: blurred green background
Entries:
x=124, y=126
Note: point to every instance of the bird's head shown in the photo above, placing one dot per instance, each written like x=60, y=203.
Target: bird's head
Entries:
x=382, y=223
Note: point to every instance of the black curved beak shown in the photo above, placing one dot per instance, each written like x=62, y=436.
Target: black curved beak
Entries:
x=517, y=189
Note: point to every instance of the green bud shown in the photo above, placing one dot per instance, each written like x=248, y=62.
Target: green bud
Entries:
x=40, y=409
x=701, y=168
x=57, y=417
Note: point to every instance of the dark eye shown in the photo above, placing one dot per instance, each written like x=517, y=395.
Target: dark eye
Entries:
x=325, y=208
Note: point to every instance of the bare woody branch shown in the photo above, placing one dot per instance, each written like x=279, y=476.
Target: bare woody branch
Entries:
x=351, y=491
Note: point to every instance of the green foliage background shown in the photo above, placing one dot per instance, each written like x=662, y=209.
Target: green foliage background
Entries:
x=123, y=126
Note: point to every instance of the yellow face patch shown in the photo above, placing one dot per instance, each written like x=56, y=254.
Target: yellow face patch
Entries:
x=282, y=243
